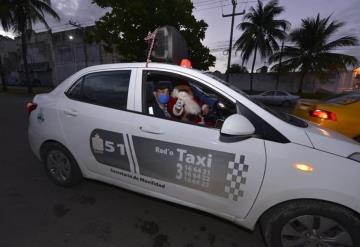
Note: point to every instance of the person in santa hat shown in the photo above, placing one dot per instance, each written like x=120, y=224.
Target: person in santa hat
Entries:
x=184, y=106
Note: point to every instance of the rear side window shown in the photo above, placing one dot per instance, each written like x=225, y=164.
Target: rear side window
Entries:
x=108, y=89
x=271, y=93
x=278, y=93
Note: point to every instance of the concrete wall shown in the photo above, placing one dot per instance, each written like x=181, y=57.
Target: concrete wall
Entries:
x=290, y=82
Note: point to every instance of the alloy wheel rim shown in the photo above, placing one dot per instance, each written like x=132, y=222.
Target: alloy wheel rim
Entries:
x=314, y=231
x=59, y=165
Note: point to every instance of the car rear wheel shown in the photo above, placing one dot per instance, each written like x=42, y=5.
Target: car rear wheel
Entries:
x=311, y=223
x=60, y=165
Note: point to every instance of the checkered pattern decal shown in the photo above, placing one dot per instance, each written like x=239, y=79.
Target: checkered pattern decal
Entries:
x=235, y=178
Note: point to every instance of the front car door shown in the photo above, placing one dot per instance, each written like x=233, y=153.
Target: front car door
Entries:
x=185, y=161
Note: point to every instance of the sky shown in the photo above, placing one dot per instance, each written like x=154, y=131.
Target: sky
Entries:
x=218, y=33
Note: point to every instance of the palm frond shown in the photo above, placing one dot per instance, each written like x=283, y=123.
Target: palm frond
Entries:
x=45, y=7
x=340, y=42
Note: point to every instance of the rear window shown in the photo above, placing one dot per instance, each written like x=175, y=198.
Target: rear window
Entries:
x=108, y=89
x=344, y=99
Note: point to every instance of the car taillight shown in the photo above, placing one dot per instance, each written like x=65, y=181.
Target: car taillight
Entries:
x=327, y=115
x=30, y=107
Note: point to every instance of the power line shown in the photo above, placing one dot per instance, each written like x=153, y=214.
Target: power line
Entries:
x=221, y=6
x=215, y=7
x=206, y=1
x=209, y=4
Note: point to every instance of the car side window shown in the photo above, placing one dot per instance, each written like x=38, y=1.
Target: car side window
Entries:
x=75, y=92
x=179, y=98
x=108, y=89
x=278, y=93
x=271, y=93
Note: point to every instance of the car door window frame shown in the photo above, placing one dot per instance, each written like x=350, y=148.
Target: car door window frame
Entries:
x=185, y=78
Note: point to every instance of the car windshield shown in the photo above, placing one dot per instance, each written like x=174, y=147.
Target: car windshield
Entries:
x=344, y=99
x=282, y=115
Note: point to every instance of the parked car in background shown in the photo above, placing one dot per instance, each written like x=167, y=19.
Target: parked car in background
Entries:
x=277, y=97
x=340, y=113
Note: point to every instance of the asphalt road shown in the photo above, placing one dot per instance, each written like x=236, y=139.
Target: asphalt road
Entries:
x=35, y=212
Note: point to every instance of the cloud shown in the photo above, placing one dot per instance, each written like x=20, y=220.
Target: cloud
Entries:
x=66, y=7
x=350, y=16
x=80, y=11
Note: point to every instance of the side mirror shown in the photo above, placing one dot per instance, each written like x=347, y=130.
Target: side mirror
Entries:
x=236, y=128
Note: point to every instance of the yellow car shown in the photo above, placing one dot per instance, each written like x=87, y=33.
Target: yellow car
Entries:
x=340, y=113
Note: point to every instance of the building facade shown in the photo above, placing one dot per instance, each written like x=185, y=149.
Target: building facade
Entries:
x=52, y=57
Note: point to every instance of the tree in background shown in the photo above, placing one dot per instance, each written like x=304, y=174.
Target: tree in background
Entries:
x=236, y=68
x=2, y=74
x=129, y=21
x=312, y=48
x=261, y=33
x=6, y=23
x=19, y=16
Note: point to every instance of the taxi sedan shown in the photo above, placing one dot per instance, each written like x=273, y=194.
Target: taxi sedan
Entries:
x=245, y=163
x=340, y=113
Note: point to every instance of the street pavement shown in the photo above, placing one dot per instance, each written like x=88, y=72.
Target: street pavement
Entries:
x=35, y=212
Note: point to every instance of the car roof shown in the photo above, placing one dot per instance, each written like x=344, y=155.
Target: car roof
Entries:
x=136, y=65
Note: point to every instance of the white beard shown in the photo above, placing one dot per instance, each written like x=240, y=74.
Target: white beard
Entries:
x=191, y=106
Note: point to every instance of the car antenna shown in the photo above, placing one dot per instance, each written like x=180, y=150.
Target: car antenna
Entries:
x=150, y=39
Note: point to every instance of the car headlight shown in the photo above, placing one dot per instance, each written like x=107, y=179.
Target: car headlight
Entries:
x=355, y=156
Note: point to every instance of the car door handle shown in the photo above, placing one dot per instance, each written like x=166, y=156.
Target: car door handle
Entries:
x=71, y=112
x=151, y=130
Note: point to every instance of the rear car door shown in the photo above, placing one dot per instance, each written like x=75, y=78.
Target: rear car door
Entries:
x=94, y=119
x=186, y=162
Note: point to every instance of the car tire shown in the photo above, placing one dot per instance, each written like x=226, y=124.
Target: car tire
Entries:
x=60, y=165
x=310, y=223
x=286, y=103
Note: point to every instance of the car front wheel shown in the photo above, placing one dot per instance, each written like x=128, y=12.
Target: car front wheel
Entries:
x=311, y=223
x=60, y=165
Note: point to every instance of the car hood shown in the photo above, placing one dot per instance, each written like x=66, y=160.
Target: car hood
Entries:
x=330, y=141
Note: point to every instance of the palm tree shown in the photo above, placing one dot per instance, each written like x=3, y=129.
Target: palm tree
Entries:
x=5, y=22
x=312, y=48
x=20, y=17
x=261, y=32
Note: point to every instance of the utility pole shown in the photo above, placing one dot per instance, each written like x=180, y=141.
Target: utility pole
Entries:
x=234, y=3
x=280, y=65
x=82, y=29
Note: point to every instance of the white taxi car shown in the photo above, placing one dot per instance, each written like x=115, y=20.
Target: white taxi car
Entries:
x=298, y=181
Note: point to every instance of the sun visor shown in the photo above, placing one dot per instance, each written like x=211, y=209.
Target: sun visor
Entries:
x=169, y=46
